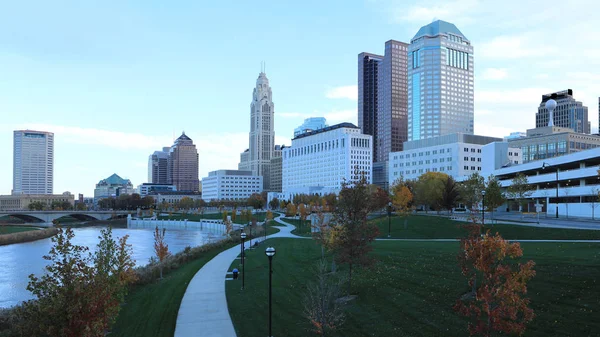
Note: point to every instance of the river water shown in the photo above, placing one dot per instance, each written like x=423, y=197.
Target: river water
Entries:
x=18, y=261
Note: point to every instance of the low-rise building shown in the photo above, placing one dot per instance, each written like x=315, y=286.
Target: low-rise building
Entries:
x=174, y=197
x=318, y=162
x=235, y=185
x=21, y=202
x=150, y=188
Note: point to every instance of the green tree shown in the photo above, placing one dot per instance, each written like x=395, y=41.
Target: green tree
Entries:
x=450, y=194
x=274, y=203
x=81, y=206
x=470, y=191
x=519, y=189
x=186, y=203
x=36, y=206
x=256, y=201
x=494, y=197
x=429, y=188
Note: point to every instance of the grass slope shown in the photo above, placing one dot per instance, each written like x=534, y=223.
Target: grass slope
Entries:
x=411, y=290
x=15, y=229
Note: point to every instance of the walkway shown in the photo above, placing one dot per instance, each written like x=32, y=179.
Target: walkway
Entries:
x=203, y=310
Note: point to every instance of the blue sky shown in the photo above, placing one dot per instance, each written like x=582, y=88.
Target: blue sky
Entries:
x=116, y=80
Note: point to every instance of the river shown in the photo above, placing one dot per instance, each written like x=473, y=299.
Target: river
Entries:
x=18, y=261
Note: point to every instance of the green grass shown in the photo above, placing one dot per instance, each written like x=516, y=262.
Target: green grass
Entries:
x=411, y=290
x=215, y=216
x=302, y=227
x=15, y=229
x=433, y=227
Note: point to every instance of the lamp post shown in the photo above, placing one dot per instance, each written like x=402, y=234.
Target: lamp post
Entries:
x=250, y=225
x=243, y=235
x=544, y=165
x=389, y=209
x=270, y=252
x=483, y=208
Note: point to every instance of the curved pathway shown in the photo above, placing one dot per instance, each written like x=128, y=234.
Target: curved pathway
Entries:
x=203, y=310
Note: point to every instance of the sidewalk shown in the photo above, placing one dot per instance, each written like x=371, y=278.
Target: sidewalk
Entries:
x=203, y=310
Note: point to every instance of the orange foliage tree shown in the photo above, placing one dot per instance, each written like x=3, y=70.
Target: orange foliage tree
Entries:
x=161, y=248
x=498, y=284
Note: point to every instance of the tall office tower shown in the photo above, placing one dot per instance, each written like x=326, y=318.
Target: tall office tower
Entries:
x=569, y=113
x=33, y=162
x=262, y=134
x=158, y=166
x=183, y=165
x=440, y=82
x=368, y=68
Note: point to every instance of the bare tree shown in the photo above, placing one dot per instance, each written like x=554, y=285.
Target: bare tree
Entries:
x=322, y=305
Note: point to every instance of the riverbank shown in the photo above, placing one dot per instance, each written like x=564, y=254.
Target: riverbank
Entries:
x=27, y=236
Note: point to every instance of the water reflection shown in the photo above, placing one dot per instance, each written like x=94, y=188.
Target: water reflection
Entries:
x=18, y=261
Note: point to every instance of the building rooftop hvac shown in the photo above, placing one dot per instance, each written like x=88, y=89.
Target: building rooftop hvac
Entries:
x=438, y=27
x=557, y=95
x=329, y=128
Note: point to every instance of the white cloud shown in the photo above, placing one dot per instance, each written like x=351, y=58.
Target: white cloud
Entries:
x=528, y=96
x=494, y=74
x=348, y=91
x=338, y=116
x=290, y=115
x=516, y=47
x=448, y=10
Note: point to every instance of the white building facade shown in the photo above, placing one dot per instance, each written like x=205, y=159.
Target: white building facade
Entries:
x=319, y=161
x=149, y=188
x=455, y=154
x=234, y=185
x=33, y=162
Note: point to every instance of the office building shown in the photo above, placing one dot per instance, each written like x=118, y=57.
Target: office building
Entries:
x=158, y=166
x=311, y=124
x=440, y=82
x=368, y=71
x=455, y=154
x=183, y=165
x=515, y=135
x=20, y=202
x=33, y=162
x=569, y=113
x=318, y=162
x=149, y=188
x=233, y=185
x=174, y=197
x=262, y=134
x=112, y=187
x=276, y=164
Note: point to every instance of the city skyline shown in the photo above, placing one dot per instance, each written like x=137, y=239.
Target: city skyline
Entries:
x=110, y=98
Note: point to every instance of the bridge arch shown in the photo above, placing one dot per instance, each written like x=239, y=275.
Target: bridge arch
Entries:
x=26, y=217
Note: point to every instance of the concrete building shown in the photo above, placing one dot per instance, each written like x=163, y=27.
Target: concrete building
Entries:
x=262, y=132
x=230, y=185
x=515, y=135
x=440, y=82
x=553, y=141
x=33, y=162
x=158, y=166
x=17, y=202
x=276, y=165
x=174, y=197
x=318, y=162
x=569, y=113
x=456, y=155
x=149, y=188
x=112, y=186
x=183, y=165
x=368, y=72
x=311, y=124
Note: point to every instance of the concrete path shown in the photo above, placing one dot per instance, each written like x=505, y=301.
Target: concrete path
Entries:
x=203, y=310
x=526, y=240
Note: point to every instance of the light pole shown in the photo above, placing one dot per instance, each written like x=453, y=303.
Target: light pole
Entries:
x=389, y=209
x=250, y=225
x=243, y=235
x=270, y=252
x=483, y=208
x=544, y=165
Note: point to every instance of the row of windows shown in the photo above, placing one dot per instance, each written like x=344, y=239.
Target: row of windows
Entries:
x=457, y=58
x=472, y=150
x=435, y=169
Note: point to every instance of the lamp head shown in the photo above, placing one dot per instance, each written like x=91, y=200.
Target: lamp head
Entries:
x=270, y=252
x=243, y=235
x=483, y=192
x=390, y=204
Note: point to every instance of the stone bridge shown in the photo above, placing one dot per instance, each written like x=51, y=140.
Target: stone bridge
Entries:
x=46, y=217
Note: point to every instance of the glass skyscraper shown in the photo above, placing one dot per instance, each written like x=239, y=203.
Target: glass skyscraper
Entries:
x=368, y=68
x=440, y=82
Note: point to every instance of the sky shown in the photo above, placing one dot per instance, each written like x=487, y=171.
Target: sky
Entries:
x=117, y=80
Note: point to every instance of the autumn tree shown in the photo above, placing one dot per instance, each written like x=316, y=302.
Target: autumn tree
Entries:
x=519, y=189
x=429, y=188
x=80, y=206
x=186, y=203
x=224, y=216
x=353, y=234
x=379, y=197
x=290, y=210
x=331, y=201
x=303, y=212
x=470, y=190
x=321, y=306
x=497, y=301
x=161, y=248
x=402, y=200
x=494, y=197
x=233, y=215
x=256, y=201
x=274, y=203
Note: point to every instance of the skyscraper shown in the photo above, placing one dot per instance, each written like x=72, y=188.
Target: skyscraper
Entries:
x=158, y=166
x=368, y=65
x=569, y=113
x=262, y=134
x=183, y=165
x=440, y=82
x=33, y=162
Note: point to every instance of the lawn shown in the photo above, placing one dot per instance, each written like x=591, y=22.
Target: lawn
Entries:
x=215, y=216
x=430, y=227
x=411, y=290
x=15, y=229
x=302, y=227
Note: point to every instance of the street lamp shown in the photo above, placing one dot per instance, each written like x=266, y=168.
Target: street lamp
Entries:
x=243, y=236
x=250, y=225
x=483, y=208
x=544, y=165
x=389, y=209
x=270, y=252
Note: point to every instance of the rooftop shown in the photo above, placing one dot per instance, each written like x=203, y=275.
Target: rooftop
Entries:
x=329, y=128
x=114, y=179
x=439, y=27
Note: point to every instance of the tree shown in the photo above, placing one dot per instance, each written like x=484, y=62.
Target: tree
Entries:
x=282, y=204
x=224, y=214
x=402, y=200
x=81, y=206
x=186, y=203
x=428, y=190
x=274, y=203
x=269, y=215
x=450, y=194
x=290, y=210
x=36, y=206
x=256, y=201
x=497, y=301
x=303, y=211
x=160, y=247
x=353, y=234
x=148, y=202
x=519, y=190
x=331, y=201
x=494, y=197
x=233, y=215
x=321, y=306
x=470, y=191
x=379, y=198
